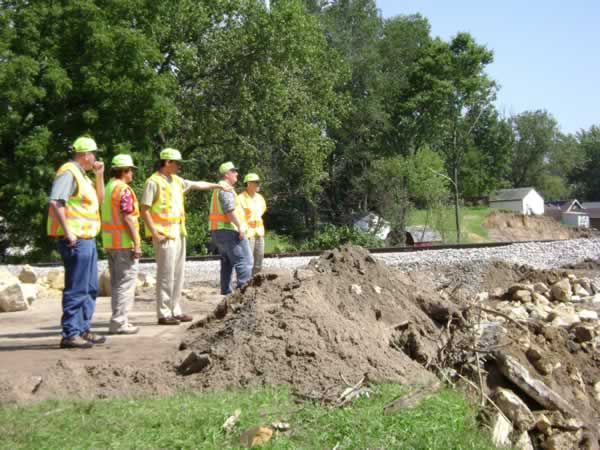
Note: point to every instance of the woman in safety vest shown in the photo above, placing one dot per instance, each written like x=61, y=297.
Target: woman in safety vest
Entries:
x=254, y=207
x=121, y=239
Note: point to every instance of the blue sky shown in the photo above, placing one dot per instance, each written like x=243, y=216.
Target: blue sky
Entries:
x=546, y=53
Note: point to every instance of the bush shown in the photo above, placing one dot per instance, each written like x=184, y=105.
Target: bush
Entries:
x=331, y=236
x=278, y=243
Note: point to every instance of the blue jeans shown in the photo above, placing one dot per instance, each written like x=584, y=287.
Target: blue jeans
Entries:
x=235, y=254
x=81, y=285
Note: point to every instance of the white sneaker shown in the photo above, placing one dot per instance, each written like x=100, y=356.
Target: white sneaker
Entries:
x=126, y=328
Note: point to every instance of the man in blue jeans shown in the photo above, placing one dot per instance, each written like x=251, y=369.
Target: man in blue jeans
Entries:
x=228, y=229
x=74, y=219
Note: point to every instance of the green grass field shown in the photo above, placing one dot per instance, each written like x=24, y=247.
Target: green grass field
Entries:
x=443, y=220
x=192, y=420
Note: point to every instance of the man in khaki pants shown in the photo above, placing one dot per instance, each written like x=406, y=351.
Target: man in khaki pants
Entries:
x=163, y=211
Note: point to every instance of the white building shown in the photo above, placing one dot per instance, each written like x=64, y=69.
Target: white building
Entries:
x=522, y=200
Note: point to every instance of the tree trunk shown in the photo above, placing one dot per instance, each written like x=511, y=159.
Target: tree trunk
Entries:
x=456, y=211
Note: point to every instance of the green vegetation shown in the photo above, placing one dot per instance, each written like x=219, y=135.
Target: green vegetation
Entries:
x=340, y=111
x=190, y=420
x=442, y=220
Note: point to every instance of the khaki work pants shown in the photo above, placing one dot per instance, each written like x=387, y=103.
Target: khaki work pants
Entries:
x=123, y=270
x=257, y=248
x=170, y=262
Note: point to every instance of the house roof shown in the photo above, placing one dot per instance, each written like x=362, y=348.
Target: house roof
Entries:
x=591, y=205
x=569, y=206
x=594, y=213
x=423, y=233
x=505, y=195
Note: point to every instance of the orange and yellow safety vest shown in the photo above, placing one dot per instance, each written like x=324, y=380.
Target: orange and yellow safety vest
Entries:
x=81, y=210
x=166, y=220
x=218, y=220
x=115, y=234
x=254, y=208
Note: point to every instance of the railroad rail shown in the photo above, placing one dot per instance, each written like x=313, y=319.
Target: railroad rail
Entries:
x=377, y=250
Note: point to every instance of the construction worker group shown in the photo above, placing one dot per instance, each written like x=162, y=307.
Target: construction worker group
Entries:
x=79, y=209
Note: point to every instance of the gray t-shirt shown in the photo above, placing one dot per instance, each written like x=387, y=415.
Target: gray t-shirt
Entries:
x=64, y=185
x=227, y=200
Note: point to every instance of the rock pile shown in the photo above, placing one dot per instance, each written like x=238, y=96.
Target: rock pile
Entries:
x=542, y=364
x=15, y=294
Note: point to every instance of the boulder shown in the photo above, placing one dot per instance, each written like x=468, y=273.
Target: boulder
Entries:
x=586, y=314
x=12, y=298
x=27, y=275
x=514, y=409
x=585, y=283
x=501, y=430
x=520, y=287
x=56, y=279
x=580, y=291
x=562, y=441
x=104, y=284
x=561, y=291
x=539, y=299
x=594, y=287
x=597, y=390
x=564, y=316
x=30, y=291
x=522, y=296
x=584, y=333
x=522, y=441
x=518, y=313
x=148, y=281
x=540, y=288
x=532, y=386
x=539, y=312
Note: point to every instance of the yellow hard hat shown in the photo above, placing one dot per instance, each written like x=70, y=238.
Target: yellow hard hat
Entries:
x=251, y=177
x=122, y=161
x=84, y=144
x=226, y=167
x=170, y=154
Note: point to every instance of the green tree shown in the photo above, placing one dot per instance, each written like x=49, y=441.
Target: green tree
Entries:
x=585, y=175
x=449, y=91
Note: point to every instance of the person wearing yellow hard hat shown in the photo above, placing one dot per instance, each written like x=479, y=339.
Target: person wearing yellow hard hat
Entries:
x=74, y=219
x=254, y=206
x=121, y=240
x=228, y=230
x=163, y=211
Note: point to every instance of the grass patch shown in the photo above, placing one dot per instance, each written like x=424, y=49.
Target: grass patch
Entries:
x=193, y=420
x=443, y=220
x=278, y=243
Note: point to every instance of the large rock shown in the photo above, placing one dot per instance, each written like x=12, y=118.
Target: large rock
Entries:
x=561, y=291
x=12, y=297
x=515, y=409
x=104, y=284
x=580, y=291
x=534, y=387
x=522, y=296
x=28, y=275
x=520, y=287
x=30, y=291
x=586, y=314
x=522, y=441
x=56, y=279
x=501, y=430
x=540, y=288
x=564, y=316
x=563, y=441
x=148, y=281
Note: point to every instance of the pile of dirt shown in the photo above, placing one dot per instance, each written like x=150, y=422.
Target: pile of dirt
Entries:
x=507, y=227
x=343, y=318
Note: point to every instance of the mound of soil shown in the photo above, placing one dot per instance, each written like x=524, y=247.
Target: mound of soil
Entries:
x=344, y=317
x=505, y=226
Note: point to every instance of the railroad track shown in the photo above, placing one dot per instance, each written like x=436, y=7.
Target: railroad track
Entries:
x=379, y=250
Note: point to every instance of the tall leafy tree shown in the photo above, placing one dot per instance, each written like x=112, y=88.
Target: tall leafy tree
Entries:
x=449, y=92
x=584, y=176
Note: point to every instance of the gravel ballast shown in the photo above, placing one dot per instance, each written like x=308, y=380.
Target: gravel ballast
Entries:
x=546, y=255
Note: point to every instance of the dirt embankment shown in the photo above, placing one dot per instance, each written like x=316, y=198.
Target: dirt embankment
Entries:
x=505, y=226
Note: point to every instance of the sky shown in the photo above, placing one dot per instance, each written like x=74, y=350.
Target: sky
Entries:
x=546, y=53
